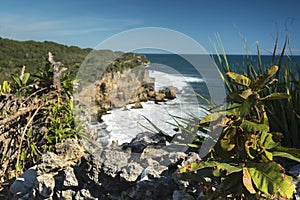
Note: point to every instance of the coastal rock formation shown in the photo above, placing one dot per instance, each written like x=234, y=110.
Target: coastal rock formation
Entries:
x=122, y=82
x=169, y=92
x=137, y=105
x=142, y=169
x=117, y=89
x=125, y=81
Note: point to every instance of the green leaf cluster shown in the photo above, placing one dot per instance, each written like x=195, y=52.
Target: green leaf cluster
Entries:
x=246, y=148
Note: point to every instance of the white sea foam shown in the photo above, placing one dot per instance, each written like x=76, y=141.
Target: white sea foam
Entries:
x=176, y=80
x=193, y=79
x=125, y=124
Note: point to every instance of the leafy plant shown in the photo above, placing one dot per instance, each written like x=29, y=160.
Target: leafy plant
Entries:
x=246, y=147
x=21, y=81
x=60, y=122
x=186, y=131
x=5, y=88
x=283, y=114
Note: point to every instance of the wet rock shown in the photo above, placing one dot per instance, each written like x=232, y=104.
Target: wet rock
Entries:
x=142, y=140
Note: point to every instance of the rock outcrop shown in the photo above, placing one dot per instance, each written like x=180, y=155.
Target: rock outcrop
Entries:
x=117, y=89
x=123, y=81
x=143, y=169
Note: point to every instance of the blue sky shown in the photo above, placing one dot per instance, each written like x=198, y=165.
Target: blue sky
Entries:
x=89, y=22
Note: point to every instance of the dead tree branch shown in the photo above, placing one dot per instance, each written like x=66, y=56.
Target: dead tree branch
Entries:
x=58, y=70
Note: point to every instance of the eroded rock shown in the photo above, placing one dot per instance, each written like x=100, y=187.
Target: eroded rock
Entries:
x=142, y=169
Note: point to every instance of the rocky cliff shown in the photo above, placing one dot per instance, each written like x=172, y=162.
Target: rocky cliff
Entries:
x=127, y=81
x=116, y=89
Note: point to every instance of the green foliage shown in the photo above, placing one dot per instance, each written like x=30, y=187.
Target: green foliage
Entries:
x=125, y=61
x=246, y=146
x=270, y=179
x=60, y=123
x=284, y=114
x=20, y=83
x=185, y=131
x=30, y=53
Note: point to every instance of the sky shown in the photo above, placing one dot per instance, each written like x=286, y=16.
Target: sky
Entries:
x=88, y=23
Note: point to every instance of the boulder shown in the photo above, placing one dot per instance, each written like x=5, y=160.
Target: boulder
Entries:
x=169, y=92
x=137, y=105
x=69, y=179
x=159, y=97
x=44, y=185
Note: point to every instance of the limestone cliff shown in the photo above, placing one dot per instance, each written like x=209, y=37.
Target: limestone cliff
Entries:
x=125, y=81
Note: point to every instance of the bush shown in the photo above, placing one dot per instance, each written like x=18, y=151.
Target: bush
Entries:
x=33, y=119
x=241, y=165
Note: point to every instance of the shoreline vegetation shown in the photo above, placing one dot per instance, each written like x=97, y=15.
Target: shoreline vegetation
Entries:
x=252, y=159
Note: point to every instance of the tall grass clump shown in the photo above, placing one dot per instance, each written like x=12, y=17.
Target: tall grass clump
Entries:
x=284, y=114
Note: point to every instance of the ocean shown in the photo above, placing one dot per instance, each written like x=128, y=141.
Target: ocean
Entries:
x=191, y=75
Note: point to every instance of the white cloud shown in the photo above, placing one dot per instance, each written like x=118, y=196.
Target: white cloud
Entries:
x=26, y=27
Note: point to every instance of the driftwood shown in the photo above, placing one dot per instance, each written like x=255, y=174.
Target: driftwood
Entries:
x=58, y=70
